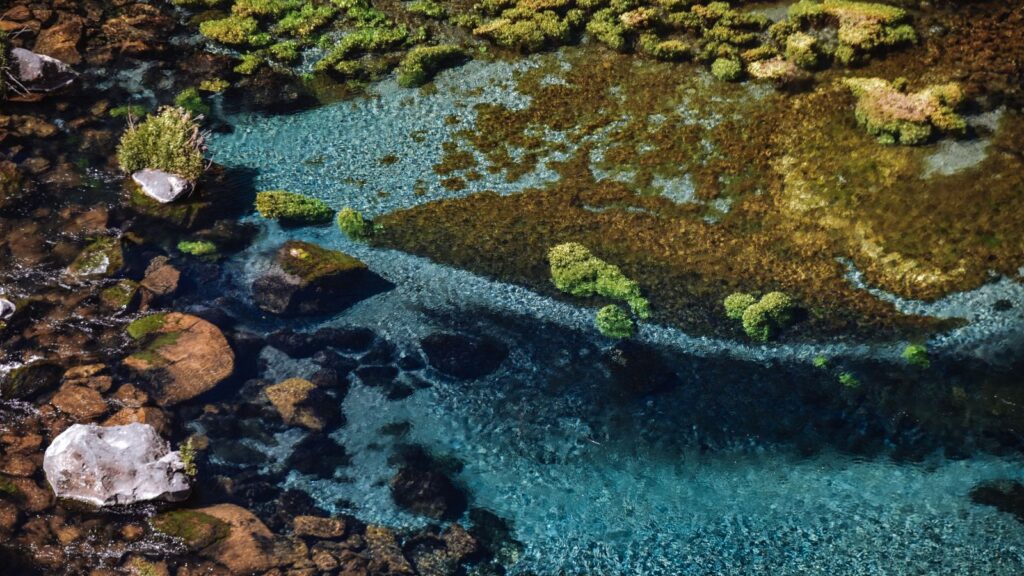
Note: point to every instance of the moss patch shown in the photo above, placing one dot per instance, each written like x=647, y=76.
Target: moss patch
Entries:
x=145, y=326
x=293, y=208
x=311, y=262
x=196, y=529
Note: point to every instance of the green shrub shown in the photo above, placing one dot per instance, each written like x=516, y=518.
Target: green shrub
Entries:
x=191, y=100
x=233, y=30
x=737, y=303
x=292, y=208
x=727, y=69
x=197, y=248
x=917, y=355
x=170, y=141
x=354, y=225
x=576, y=271
x=614, y=322
x=421, y=63
x=773, y=312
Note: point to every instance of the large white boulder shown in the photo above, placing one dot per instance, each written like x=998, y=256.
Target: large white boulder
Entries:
x=40, y=73
x=161, y=186
x=106, y=465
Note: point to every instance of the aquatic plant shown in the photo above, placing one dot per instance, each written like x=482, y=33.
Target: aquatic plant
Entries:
x=128, y=110
x=292, y=208
x=287, y=51
x=311, y=262
x=197, y=247
x=264, y=7
x=421, y=63
x=196, y=529
x=737, y=303
x=353, y=224
x=358, y=42
x=614, y=322
x=303, y=22
x=526, y=30
x=895, y=116
x=190, y=99
x=801, y=49
x=574, y=270
x=862, y=27
x=232, y=30
x=214, y=85
x=428, y=8
x=848, y=380
x=763, y=320
x=170, y=141
x=120, y=295
x=188, y=453
x=917, y=355
x=728, y=69
x=820, y=362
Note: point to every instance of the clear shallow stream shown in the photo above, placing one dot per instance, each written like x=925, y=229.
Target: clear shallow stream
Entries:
x=593, y=482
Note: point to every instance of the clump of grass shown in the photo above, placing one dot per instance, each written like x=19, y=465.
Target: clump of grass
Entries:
x=170, y=140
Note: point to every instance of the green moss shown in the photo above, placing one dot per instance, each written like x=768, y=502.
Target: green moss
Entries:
x=895, y=116
x=801, y=49
x=526, y=30
x=303, y=22
x=146, y=325
x=264, y=7
x=170, y=141
x=214, y=85
x=354, y=225
x=311, y=262
x=287, y=51
x=292, y=208
x=576, y=271
x=614, y=322
x=359, y=42
x=917, y=355
x=737, y=303
x=128, y=111
x=605, y=27
x=30, y=379
x=727, y=69
x=198, y=3
x=233, y=30
x=428, y=8
x=421, y=63
x=190, y=99
x=669, y=50
x=863, y=27
x=196, y=529
x=197, y=247
x=763, y=321
x=120, y=295
x=250, y=63
x=820, y=362
x=848, y=380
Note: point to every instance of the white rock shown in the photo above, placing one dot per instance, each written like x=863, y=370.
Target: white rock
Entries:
x=114, y=465
x=7, y=308
x=161, y=186
x=39, y=73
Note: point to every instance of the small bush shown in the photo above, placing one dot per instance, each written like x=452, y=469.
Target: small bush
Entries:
x=763, y=321
x=292, y=208
x=423, y=62
x=170, y=141
x=727, y=69
x=614, y=322
x=737, y=303
x=354, y=225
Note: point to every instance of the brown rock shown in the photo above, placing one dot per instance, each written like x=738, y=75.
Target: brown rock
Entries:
x=385, y=553
x=8, y=516
x=324, y=561
x=61, y=40
x=155, y=417
x=84, y=371
x=249, y=546
x=318, y=527
x=23, y=465
x=79, y=402
x=182, y=356
x=130, y=396
x=300, y=404
x=33, y=498
x=132, y=532
x=161, y=278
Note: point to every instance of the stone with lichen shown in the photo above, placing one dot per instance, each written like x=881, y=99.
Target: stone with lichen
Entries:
x=896, y=116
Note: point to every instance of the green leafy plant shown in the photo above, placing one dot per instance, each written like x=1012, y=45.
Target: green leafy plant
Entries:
x=737, y=303
x=773, y=312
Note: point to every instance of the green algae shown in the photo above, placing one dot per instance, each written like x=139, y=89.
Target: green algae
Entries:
x=120, y=296
x=311, y=262
x=197, y=529
x=143, y=327
x=197, y=247
x=292, y=208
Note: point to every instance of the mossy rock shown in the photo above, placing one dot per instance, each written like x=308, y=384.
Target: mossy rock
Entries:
x=189, y=213
x=291, y=208
x=146, y=325
x=312, y=263
x=120, y=296
x=102, y=257
x=196, y=529
x=31, y=379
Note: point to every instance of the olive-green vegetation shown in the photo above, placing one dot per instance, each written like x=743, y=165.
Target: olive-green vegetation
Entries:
x=189, y=453
x=128, y=111
x=576, y=271
x=311, y=262
x=848, y=380
x=197, y=247
x=146, y=325
x=197, y=529
x=763, y=320
x=354, y=224
x=191, y=100
x=423, y=62
x=292, y=208
x=894, y=116
x=917, y=355
x=615, y=322
x=169, y=140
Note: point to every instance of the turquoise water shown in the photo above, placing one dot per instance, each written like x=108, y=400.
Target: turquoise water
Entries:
x=709, y=478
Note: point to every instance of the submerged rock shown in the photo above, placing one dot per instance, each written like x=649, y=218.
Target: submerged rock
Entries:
x=39, y=73
x=182, y=356
x=114, y=465
x=421, y=486
x=7, y=309
x=248, y=546
x=161, y=186
x=1005, y=495
x=309, y=279
x=30, y=379
x=301, y=403
x=102, y=257
x=465, y=357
